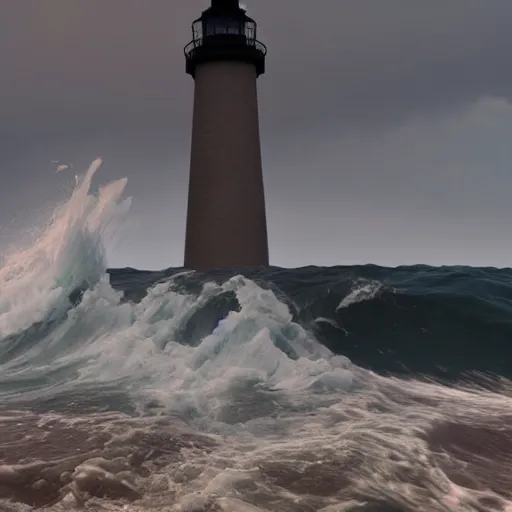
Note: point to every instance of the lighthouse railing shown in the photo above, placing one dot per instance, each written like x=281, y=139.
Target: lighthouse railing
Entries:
x=224, y=40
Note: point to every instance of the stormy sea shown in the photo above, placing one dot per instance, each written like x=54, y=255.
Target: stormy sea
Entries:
x=356, y=388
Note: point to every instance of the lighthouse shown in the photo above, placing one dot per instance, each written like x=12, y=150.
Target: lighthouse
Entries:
x=226, y=220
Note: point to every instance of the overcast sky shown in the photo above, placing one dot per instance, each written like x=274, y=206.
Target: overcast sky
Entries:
x=386, y=124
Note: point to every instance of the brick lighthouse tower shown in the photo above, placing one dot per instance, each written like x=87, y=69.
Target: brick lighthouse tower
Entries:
x=226, y=221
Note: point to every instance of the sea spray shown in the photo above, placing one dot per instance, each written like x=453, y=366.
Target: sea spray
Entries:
x=35, y=282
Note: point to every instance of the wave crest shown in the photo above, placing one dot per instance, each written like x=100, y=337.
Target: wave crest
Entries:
x=35, y=282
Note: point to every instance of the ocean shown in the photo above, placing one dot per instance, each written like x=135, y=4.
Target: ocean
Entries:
x=350, y=388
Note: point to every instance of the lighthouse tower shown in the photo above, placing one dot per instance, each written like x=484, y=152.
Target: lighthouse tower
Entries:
x=226, y=221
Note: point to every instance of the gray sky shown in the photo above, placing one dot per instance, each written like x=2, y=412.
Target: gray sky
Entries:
x=386, y=124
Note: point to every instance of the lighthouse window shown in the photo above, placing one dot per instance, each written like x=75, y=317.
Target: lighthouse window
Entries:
x=197, y=31
x=250, y=31
x=218, y=26
x=236, y=28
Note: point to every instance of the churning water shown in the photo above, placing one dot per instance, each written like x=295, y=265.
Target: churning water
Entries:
x=315, y=389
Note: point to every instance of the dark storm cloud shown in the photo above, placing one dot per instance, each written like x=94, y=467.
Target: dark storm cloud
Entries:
x=366, y=61
x=96, y=65
x=81, y=78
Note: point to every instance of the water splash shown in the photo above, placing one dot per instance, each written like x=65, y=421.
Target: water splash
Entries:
x=362, y=290
x=71, y=252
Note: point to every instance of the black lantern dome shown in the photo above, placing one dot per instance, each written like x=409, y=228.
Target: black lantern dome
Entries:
x=225, y=32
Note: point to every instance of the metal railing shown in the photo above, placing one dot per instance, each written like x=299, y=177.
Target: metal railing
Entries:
x=224, y=40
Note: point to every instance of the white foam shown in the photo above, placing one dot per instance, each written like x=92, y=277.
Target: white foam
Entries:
x=124, y=341
x=35, y=282
x=362, y=290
